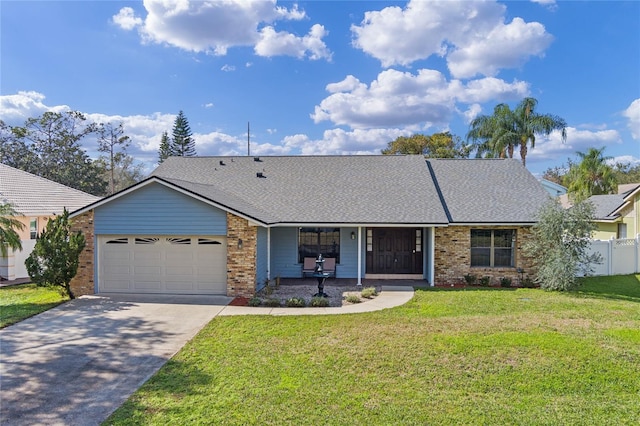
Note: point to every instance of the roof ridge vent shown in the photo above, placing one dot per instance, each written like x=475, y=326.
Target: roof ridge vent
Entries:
x=257, y=159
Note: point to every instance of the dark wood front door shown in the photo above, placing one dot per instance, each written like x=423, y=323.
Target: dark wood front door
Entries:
x=394, y=251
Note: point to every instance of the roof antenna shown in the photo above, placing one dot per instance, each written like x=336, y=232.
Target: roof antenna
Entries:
x=248, y=140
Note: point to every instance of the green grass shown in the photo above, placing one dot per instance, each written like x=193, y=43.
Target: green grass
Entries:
x=19, y=302
x=481, y=356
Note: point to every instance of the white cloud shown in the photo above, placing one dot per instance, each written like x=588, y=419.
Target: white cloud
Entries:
x=208, y=105
x=506, y=46
x=552, y=147
x=274, y=43
x=341, y=142
x=398, y=98
x=214, y=26
x=228, y=68
x=633, y=114
x=126, y=19
x=471, y=36
x=17, y=108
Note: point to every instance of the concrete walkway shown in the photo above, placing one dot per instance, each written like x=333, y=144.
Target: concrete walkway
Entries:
x=75, y=364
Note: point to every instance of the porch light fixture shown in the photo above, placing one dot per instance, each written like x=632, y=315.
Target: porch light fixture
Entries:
x=353, y=235
x=239, y=243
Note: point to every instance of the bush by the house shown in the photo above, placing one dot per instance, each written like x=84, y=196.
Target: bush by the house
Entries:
x=319, y=302
x=369, y=292
x=296, y=302
x=470, y=279
x=505, y=282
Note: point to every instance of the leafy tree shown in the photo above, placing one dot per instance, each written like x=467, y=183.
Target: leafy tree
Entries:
x=53, y=144
x=110, y=138
x=499, y=134
x=560, y=244
x=626, y=173
x=9, y=238
x=126, y=171
x=591, y=176
x=165, y=148
x=15, y=153
x=182, y=144
x=55, y=257
x=438, y=145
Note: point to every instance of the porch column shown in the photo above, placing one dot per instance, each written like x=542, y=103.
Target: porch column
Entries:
x=359, y=283
x=269, y=253
x=432, y=256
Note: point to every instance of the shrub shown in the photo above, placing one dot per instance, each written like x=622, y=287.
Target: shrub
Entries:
x=353, y=298
x=319, y=302
x=485, y=281
x=296, y=302
x=560, y=244
x=272, y=302
x=505, y=282
x=255, y=301
x=527, y=283
x=470, y=279
x=369, y=292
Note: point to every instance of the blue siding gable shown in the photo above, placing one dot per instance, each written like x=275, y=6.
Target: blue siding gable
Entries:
x=155, y=209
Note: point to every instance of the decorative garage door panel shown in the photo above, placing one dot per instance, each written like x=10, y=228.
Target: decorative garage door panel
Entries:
x=180, y=265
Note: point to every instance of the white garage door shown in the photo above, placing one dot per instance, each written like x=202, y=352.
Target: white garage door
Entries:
x=149, y=264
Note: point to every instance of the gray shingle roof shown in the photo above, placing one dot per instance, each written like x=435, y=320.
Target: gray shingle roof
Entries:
x=488, y=190
x=319, y=189
x=33, y=195
x=605, y=205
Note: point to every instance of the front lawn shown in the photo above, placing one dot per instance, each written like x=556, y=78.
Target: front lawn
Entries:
x=19, y=302
x=454, y=356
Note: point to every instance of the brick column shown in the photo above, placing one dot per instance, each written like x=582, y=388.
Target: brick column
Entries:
x=83, y=282
x=241, y=261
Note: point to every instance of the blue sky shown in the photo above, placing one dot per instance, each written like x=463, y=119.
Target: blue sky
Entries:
x=325, y=77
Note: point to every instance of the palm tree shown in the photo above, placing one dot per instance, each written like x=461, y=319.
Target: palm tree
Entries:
x=499, y=134
x=591, y=176
x=9, y=238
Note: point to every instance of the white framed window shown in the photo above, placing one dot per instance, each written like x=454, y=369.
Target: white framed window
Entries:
x=622, y=231
x=493, y=248
x=33, y=228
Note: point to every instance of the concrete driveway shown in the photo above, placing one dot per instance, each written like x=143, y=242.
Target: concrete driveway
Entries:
x=77, y=363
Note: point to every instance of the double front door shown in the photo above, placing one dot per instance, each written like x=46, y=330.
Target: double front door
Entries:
x=394, y=250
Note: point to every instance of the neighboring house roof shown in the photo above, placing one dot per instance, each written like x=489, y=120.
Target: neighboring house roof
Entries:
x=33, y=195
x=364, y=190
x=488, y=190
x=553, y=188
x=608, y=207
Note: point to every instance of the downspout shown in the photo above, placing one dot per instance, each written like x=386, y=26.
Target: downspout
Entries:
x=359, y=283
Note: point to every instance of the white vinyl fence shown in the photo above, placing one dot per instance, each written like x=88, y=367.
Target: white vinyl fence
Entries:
x=619, y=257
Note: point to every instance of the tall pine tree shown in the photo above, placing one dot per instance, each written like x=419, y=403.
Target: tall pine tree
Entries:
x=182, y=144
x=165, y=148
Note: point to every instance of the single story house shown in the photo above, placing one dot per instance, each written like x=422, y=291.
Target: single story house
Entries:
x=36, y=200
x=616, y=215
x=227, y=225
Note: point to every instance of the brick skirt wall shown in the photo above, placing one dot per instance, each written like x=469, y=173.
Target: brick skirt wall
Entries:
x=453, y=256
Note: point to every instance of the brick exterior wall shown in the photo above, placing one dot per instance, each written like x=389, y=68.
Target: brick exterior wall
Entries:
x=241, y=262
x=83, y=282
x=453, y=256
